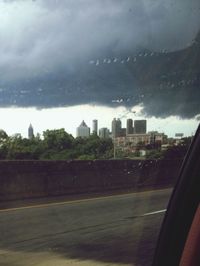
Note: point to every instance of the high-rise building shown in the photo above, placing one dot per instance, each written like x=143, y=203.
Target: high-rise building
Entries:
x=94, y=126
x=104, y=133
x=116, y=127
x=123, y=132
x=129, y=126
x=30, y=132
x=140, y=126
x=83, y=130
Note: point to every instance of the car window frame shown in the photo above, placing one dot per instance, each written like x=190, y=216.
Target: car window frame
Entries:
x=181, y=209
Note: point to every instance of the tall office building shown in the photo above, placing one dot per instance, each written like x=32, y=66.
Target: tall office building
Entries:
x=83, y=130
x=123, y=132
x=94, y=126
x=116, y=128
x=140, y=126
x=30, y=132
x=104, y=133
x=129, y=126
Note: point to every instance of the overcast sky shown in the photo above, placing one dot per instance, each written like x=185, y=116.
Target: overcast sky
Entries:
x=47, y=35
x=59, y=56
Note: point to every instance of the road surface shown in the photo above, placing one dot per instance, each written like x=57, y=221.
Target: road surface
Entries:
x=114, y=230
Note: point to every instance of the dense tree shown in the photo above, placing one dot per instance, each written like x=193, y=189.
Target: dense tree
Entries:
x=21, y=148
x=3, y=145
x=95, y=147
x=57, y=139
x=59, y=145
x=3, y=135
x=55, y=145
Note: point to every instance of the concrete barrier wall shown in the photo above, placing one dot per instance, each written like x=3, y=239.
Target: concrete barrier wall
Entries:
x=29, y=179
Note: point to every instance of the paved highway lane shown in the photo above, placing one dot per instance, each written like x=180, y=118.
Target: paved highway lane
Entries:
x=100, y=231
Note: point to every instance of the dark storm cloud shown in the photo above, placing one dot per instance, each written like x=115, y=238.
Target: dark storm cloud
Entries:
x=46, y=47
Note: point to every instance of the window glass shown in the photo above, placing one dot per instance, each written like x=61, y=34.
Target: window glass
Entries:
x=99, y=102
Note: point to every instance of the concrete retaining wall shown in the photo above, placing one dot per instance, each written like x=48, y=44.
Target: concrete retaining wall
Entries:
x=29, y=179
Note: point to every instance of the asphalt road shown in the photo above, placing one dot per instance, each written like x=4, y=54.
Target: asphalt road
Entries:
x=100, y=231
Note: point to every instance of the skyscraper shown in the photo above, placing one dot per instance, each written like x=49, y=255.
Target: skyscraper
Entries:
x=140, y=126
x=116, y=128
x=30, y=132
x=104, y=133
x=94, y=126
x=83, y=130
x=129, y=126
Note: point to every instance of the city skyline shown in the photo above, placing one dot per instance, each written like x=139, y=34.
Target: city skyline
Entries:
x=124, y=69
x=83, y=130
x=18, y=119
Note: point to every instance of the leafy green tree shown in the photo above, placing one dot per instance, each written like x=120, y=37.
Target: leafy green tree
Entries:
x=155, y=154
x=86, y=157
x=58, y=139
x=3, y=146
x=105, y=149
x=95, y=147
x=3, y=135
x=19, y=148
x=55, y=145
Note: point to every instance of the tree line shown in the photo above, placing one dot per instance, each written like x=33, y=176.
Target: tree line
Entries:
x=54, y=145
x=57, y=144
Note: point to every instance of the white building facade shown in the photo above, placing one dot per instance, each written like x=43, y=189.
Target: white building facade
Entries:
x=83, y=130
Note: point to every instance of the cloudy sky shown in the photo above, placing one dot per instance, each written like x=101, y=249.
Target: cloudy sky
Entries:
x=62, y=61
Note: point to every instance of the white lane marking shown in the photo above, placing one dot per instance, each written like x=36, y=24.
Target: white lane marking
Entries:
x=45, y=205
x=151, y=213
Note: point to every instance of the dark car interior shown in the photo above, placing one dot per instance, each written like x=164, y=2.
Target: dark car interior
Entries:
x=179, y=238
